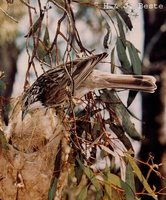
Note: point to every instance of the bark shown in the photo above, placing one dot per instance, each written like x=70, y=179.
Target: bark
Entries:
x=8, y=64
x=153, y=105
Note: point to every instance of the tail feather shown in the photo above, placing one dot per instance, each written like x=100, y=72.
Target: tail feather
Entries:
x=138, y=83
x=103, y=80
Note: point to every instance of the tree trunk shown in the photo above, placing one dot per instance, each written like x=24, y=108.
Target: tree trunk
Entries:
x=155, y=51
x=8, y=57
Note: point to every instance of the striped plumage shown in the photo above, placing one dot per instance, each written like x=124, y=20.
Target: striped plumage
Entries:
x=76, y=78
x=51, y=87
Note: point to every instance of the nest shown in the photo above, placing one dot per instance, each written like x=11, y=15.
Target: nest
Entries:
x=27, y=166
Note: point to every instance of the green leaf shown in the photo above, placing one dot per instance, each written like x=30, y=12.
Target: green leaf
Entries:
x=96, y=131
x=2, y=85
x=107, y=192
x=130, y=177
x=36, y=25
x=121, y=51
x=57, y=169
x=113, y=60
x=115, y=180
x=122, y=113
x=117, y=128
x=78, y=173
x=89, y=173
x=46, y=39
x=99, y=195
x=83, y=193
x=41, y=51
x=78, y=169
x=3, y=141
x=106, y=37
x=120, y=27
x=135, y=59
x=52, y=190
x=125, y=17
x=140, y=176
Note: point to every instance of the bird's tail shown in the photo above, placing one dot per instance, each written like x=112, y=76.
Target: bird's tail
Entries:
x=103, y=80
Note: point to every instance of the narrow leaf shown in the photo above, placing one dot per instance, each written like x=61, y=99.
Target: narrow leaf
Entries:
x=141, y=177
x=78, y=169
x=135, y=59
x=83, y=194
x=109, y=151
x=106, y=37
x=125, y=17
x=122, y=113
x=113, y=60
x=52, y=190
x=3, y=141
x=57, y=166
x=46, y=39
x=89, y=173
x=121, y=51
x=36, y=25
x=2, y=85
x=41, y=51
x=120, y=27
x=130, y=177
x=107, y=192
x=113, y=179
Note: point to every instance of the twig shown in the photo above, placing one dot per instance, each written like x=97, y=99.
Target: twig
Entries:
x=10, y=17
x=28, y=5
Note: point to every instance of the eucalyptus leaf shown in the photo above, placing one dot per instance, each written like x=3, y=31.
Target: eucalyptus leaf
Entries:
x=121, y=51
x=91, y=176
x=46, y=39
x=2, y=85
x=108, y=192
x=41, y=51
x=115, y=180
x=140, y=176
x=135, y=59
x=130, y=177
x=83, y=194
x=113, y=60
x=106, y=37
x=57, y=166
x=122, y=113
x=120, y=133
x=3, y=141
x=78, y=169
x=124, y=15
x=36, y=25
x=52, y=190
x=120, y=27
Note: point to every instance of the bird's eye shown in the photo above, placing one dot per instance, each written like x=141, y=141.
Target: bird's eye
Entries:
x=26, y=103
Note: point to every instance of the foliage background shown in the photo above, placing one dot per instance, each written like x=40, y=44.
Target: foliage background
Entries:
x=108, y=183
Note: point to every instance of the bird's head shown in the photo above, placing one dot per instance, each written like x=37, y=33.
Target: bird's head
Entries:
x=28, y=99
x=26, y=102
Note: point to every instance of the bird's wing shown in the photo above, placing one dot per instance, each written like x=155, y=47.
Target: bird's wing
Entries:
x=85, y=66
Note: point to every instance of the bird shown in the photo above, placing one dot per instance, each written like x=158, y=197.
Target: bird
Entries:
x=76, y=78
